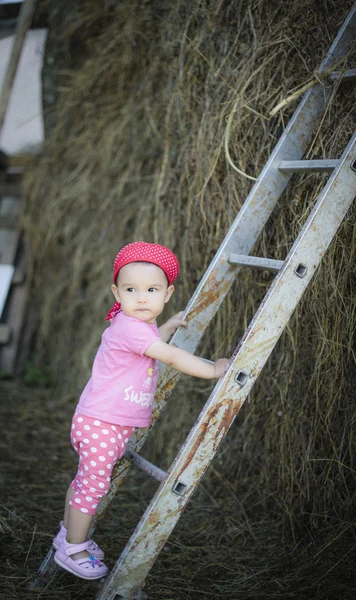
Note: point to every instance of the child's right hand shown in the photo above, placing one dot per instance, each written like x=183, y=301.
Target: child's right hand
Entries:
x=221, y=366
x=185, y=362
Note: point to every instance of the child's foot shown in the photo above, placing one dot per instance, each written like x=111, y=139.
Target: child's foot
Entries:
x=93, y=548
x=88, y=567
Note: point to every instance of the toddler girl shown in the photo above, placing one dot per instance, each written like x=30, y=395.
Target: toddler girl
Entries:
x=119, y=395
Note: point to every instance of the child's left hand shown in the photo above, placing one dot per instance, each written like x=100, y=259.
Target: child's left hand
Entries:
x=176, y=321
x=169, y=328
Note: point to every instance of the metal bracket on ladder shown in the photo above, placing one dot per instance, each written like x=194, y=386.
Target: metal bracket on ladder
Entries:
x=293, y=277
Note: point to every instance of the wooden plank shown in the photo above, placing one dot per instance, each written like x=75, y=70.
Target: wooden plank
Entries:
x=23, y=23
x=10, y=189
x=14, y=176
x=9, y=221
x=3, y=160
x=11, y=183
x=21, y=161
x=9, y=237
x=5, y=333
x=19, y=276
x=15, y=312
x=9, y=207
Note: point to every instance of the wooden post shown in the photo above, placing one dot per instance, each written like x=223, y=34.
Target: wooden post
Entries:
x=24, y=22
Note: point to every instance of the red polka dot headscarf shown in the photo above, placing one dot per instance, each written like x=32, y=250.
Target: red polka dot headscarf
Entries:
x=145, y=252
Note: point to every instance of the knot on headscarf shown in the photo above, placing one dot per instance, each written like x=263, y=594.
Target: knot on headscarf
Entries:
x=144, y=252
x=113, y=311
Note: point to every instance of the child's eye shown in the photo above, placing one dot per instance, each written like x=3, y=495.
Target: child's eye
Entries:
x=130, y=289
x=152, y=289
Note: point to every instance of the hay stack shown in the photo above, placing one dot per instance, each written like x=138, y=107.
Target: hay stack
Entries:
x=137, y=153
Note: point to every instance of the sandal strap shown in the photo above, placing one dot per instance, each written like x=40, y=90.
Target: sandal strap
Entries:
x=84, y=561
x=74, y=548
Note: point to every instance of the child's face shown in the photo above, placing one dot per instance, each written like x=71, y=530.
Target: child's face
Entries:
x=142, y=290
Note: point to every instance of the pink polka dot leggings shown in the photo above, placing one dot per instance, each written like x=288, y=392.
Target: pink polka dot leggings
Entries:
x=99, y=445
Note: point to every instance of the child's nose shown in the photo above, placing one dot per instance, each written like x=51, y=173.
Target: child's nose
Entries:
x=141, y=297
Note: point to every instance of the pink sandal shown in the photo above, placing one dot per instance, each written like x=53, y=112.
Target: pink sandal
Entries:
x=85, y=568
x=93, y=547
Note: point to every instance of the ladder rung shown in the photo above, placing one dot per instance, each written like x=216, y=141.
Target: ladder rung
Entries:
x=305, y=166
x=144, y=465
x=211, y=362
x=349, y=75
x=255, y=261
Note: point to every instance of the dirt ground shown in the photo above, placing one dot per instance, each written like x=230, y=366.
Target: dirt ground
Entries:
x=222, y=548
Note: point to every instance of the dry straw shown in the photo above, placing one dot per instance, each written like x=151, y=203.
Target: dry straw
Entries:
x=172, y=104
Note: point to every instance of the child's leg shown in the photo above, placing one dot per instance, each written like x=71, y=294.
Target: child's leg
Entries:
x=76, y=446
x=69, y=496
x=99, y=445
x=78, y=529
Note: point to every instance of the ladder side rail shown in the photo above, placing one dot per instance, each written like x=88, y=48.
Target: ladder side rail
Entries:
x=240, y=239
x=46, y=570
x=250, y=356
x=343, y=41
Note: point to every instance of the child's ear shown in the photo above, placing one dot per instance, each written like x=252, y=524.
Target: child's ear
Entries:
x=115, y=291
x=169, y=293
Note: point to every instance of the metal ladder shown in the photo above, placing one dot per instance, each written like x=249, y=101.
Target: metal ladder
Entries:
x=127, y=578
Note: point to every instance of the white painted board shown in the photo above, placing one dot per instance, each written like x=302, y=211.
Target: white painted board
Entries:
x=22, y=131
x=6, y=274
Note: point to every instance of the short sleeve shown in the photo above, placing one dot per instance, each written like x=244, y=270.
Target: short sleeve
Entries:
x=137, y=336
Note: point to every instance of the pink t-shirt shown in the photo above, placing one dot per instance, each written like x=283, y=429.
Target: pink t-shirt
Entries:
x=123, y=381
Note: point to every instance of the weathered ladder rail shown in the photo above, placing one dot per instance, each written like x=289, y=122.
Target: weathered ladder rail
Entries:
x=229, y=394
x=214, y=286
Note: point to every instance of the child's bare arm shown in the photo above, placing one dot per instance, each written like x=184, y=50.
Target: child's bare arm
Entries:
x=168, y=329
x=187, y=363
